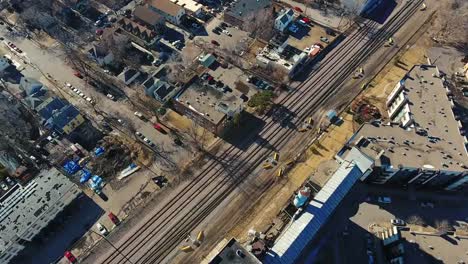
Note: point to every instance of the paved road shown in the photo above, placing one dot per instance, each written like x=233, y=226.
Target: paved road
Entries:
x=52, y=62
x=206, y=197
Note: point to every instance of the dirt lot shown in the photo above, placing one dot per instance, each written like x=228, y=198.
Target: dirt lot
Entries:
x=266, y=210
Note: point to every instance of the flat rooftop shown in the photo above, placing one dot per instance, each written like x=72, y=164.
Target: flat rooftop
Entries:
x=434, y=139
x=211, y=102
x=21, y=209
x=234, y=253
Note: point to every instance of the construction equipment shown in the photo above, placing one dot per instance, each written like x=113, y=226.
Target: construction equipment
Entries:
x=186, y=249
x=310, y=121
x=267, y=166
x=275, y=156
x=423, y=7
x=280, y=172
x=200, y=236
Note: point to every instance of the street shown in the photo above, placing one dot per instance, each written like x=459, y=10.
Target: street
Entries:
x=51, y=63
x=210, y=195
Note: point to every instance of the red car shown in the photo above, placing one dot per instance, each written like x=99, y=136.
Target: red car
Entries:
x=159, y=128
x=77, y=74
x=305, y=20
x=114, y=218
x=70, y=257
x=298, y=9
x=214, y=42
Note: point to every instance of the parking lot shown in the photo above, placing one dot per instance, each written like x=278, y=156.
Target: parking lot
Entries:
x=227, y=40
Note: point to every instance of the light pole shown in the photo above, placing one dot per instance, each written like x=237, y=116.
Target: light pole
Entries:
x=112, y=245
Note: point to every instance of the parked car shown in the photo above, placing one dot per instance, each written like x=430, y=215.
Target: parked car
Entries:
x=78, y=74
x=139, y=115
x=114, y=218
x=195, y=25
x=9, y=181
x=9, y=28
x=139, y=134
x=397, y=222
x=214, y=42
x=102, y=229
x=70, y=257
x=159, y=128
x=324, y=39
x=69, y=85
x=384, y=199
x=227, y=33
x=110, y=96
x=427, y=204
x=4, y=186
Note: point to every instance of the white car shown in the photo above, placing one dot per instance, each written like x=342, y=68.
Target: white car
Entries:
x=138, y=134
x=226, y=32
x=82, y=95
x=384, y=199
x=4, y=186
x=9, y=181
x=88, y=99
x=397, y=222
x=69, y=85
x=146, y=140
x=76, y=91
x=110, y=96
x=102, y=229
x=138, y=114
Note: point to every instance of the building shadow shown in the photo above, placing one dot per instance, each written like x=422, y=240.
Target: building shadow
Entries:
x=243, y=134
x=378, y=10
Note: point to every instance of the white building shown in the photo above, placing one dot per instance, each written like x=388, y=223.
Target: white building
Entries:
x=26, y=210
x=283, y=20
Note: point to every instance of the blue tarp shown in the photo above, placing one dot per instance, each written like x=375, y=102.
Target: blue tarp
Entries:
x=85, y=176
x=96, y=182
x=71, y=167
x=98, y=152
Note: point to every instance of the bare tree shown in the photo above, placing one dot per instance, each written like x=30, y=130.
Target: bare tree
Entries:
x=197, y=136
x=260, y=24
x=451, y=24
x=415, y=220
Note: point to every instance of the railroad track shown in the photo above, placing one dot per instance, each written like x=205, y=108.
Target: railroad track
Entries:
x=224, y=187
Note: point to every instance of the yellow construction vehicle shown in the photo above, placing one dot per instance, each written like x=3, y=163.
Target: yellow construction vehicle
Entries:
x=267, y=166
x=186, y=249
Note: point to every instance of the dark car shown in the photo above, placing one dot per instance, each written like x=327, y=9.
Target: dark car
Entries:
x=214, y=42
x=9, y=28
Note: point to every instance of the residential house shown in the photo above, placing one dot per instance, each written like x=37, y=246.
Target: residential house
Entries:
x=169, y=10
x=158, y=89
x=128, y=75
x=60, y=116
x=34, y=92
x=150, y=19
x=191, y=7
x=101, y=54
x=283, y=20
x=137, y=30
x=207, y=60
x=243, y=10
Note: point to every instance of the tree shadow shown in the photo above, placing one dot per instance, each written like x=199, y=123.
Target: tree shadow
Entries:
x=243, y=134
